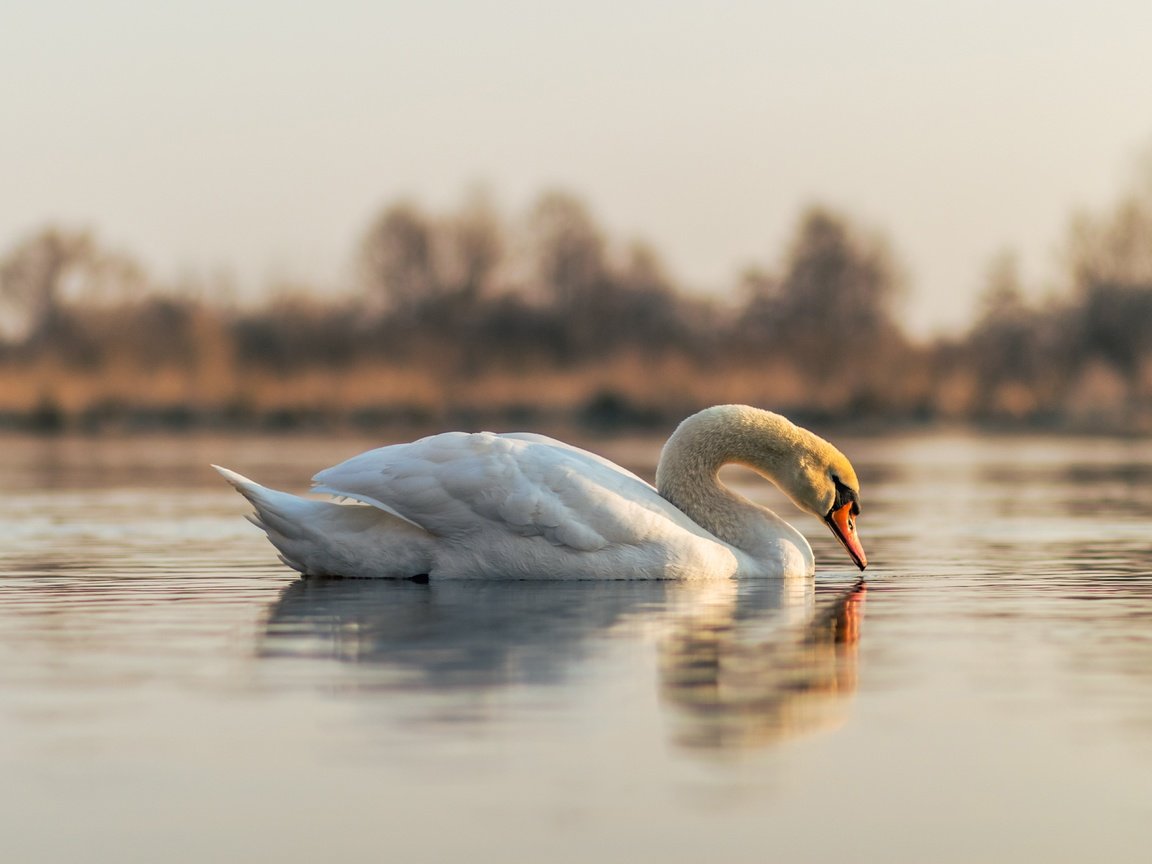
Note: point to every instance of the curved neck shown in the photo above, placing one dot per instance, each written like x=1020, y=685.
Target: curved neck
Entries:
x=691, y=460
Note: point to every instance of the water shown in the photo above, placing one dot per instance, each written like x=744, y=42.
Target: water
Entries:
x=169, y=692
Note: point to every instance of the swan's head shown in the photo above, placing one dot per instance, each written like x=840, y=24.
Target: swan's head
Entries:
x=821, y=480
x=841, y=517
x=815, y=475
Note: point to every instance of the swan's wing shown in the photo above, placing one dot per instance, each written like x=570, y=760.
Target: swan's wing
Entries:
x=594, y=458
x=458, y=484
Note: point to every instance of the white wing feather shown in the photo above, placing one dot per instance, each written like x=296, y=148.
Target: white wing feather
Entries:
x=529, y=485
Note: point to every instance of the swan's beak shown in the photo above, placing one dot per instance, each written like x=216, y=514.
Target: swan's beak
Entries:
x=843, y=525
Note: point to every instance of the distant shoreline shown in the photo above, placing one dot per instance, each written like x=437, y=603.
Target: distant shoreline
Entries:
x=603, y=416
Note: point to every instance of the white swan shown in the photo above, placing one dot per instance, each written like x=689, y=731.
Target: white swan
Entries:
x=521, y=505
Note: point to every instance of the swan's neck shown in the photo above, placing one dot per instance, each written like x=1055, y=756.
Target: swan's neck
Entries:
x=688, y=474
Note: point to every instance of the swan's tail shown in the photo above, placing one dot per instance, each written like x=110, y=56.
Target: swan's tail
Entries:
x=323, y=538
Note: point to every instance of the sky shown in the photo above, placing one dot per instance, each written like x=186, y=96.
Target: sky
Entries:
x=259, y=138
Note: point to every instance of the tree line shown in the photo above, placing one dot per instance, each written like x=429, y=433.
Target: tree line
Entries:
x=466, y=316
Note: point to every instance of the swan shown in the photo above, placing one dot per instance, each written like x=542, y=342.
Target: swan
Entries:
x=522, y=505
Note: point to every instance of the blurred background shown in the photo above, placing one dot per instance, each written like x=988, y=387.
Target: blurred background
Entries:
x=510, y=213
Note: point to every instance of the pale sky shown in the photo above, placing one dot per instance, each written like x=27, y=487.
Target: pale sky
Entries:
x=259, y=138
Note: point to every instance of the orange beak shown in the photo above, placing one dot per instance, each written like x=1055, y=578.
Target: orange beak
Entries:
x=843, y=525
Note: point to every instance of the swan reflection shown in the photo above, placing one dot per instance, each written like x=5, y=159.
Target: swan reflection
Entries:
x=741, y=663
x=761, y=663
x=453, y=633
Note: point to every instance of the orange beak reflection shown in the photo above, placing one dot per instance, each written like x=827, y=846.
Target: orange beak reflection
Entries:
x=843, y=525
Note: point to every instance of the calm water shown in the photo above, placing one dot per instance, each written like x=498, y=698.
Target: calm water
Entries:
x=168, y=692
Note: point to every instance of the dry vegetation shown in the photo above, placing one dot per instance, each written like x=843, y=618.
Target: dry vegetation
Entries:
x=466, y=319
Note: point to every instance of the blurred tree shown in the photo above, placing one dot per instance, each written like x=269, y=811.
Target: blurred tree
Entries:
x=605, y=302
x=475, y=248
x=1002, y=346
x=1003, y=295
x=644, y=273
x=837, y=279
x=273, y=337
x=831, y=307
x=759, y=325
x=397, y=258
x=155, y=332
x=637, y=304
x=433, y=270
x=568, y=251
x=1115, y=249
x=57, y=279
x=1110, y=263
x=33, y=276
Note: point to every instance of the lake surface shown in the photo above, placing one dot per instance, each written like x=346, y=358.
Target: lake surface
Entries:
x=169, y=692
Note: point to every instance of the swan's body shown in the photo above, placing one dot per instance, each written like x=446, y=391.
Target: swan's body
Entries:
x=520, y=505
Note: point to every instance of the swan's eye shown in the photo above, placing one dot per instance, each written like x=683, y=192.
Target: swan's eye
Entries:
x=844, y=495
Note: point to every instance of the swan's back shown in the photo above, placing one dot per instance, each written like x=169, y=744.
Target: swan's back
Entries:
x=522, y=503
